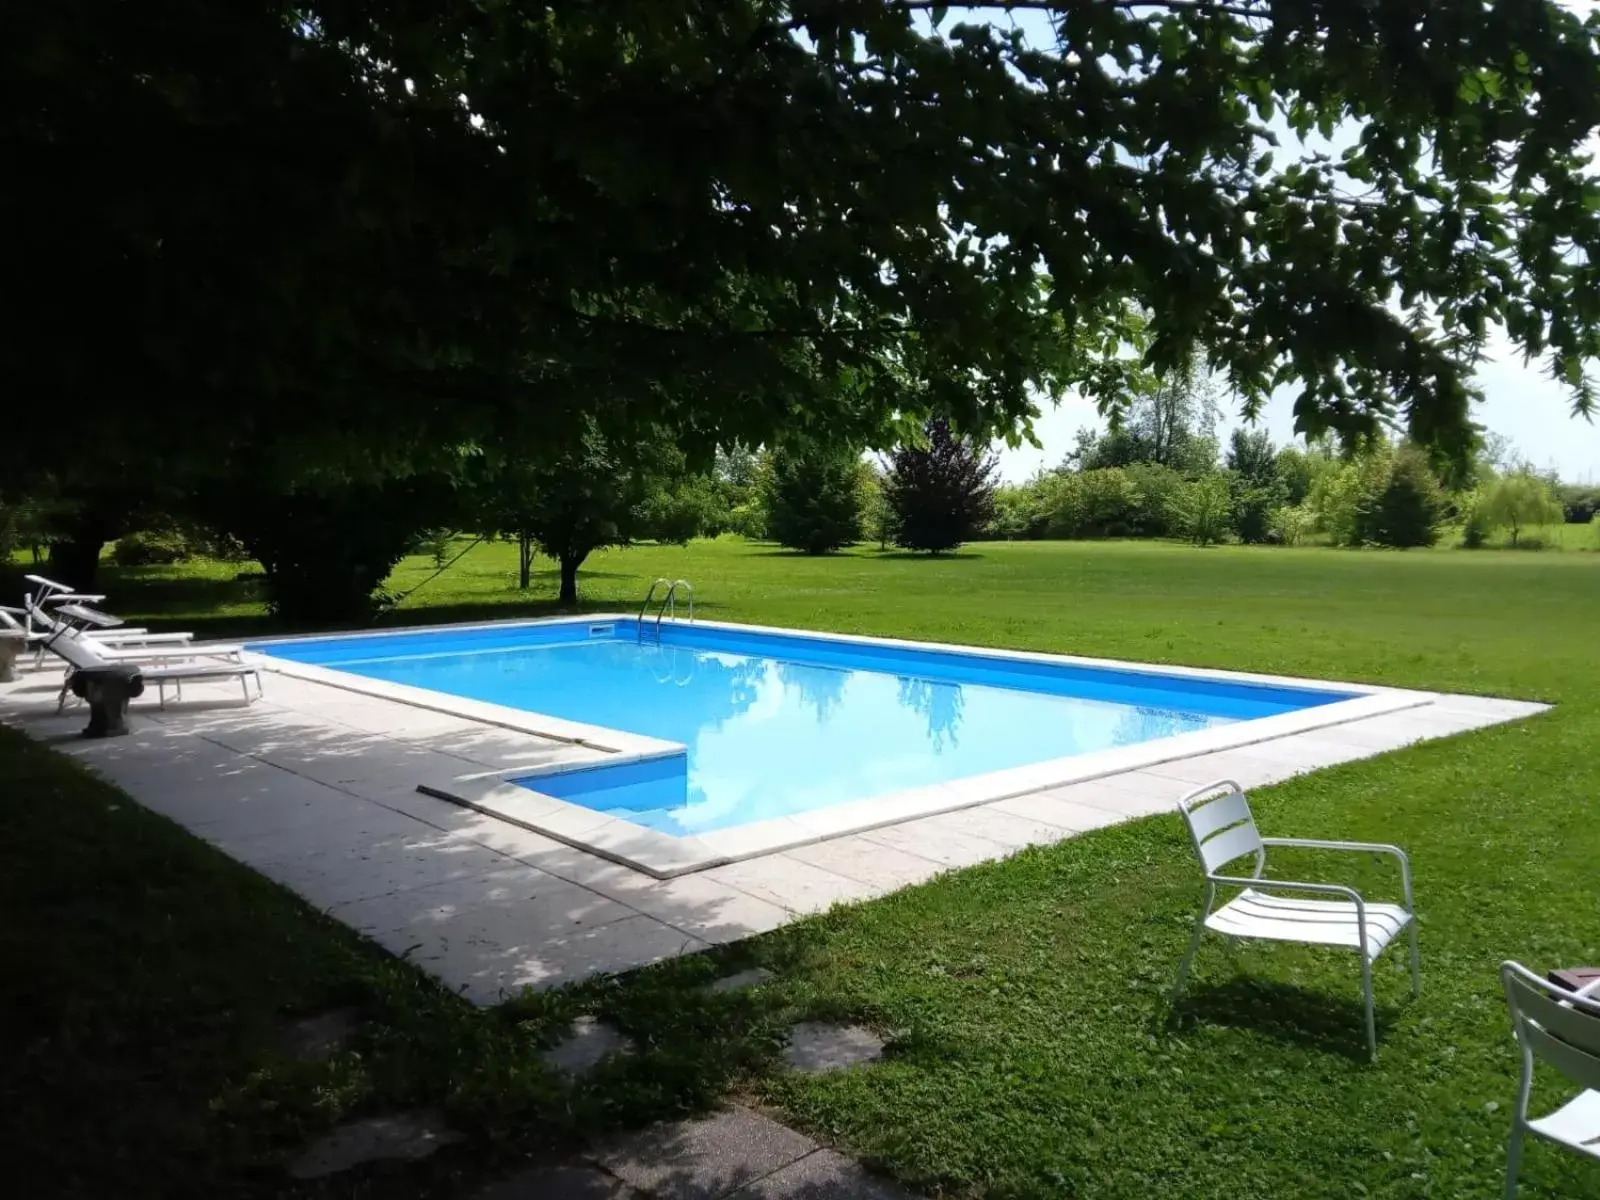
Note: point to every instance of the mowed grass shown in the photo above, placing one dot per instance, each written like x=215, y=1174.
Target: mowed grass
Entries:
x=1030, y=1054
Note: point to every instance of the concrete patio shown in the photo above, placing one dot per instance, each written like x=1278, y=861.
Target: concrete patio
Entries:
x=315, y=787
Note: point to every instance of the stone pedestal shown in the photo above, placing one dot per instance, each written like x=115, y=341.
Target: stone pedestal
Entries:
x=11, y=645
x=107, y=691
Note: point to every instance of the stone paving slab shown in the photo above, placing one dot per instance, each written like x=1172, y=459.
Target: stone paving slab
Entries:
x=821, y=1175
x=867, y=862
x=790, y=883
x=587, y=1044
x=949, y=847
x=703, y=1159
x=815, y=1047
x=405, y=1136
x=740, y=980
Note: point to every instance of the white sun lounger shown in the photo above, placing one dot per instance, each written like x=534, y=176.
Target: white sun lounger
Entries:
x=42, y=625
x=191, y=665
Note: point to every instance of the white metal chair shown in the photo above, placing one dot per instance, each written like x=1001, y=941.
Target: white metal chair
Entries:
x=1222, y=829
x=1563, y=1030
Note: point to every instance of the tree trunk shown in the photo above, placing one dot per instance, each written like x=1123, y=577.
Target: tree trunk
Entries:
x=569, y=579
x=76, y=562
x=524, y=560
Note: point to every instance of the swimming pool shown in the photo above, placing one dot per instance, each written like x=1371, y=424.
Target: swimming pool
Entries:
x=705, y=729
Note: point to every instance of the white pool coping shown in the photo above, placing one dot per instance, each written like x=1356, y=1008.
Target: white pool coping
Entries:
x=664, y=856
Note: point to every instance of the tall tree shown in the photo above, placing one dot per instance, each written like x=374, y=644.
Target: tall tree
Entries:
x=358, y=235
x=1165, y=418
x=1253, y=456
x=941, y=491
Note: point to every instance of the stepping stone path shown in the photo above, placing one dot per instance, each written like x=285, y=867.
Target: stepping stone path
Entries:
x=754, y=977
x=815, y=1047
x=407, y=1136
x=589, y=1044
x=318, y=1037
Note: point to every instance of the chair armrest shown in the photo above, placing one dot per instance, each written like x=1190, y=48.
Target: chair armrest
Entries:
x=1289, y=885
x=1362, y=847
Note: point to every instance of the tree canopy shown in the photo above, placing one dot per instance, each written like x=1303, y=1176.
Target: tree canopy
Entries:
x=353, y=237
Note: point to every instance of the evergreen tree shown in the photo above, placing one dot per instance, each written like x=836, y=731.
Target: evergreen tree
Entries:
x=942, y=494
x=1406, y=512
x=813, y=498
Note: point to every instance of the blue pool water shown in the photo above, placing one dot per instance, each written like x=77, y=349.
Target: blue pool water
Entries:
x=776, y=724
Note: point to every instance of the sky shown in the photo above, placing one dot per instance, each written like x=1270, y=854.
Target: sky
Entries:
x=1520, y=401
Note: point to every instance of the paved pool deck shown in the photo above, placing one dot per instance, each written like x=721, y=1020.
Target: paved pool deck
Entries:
x=315, y=787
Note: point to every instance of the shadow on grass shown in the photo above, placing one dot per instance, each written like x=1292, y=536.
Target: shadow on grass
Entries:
x=1312, y=1018
x=924, y=556
x=244, y=626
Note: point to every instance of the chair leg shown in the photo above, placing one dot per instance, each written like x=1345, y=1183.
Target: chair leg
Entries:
x=1416, y=962
x=1188, y=957
x=1513, y=1160
x=1366, y=995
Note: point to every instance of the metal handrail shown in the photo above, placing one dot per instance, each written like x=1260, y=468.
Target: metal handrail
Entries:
x=668, y=605
x=648, y=596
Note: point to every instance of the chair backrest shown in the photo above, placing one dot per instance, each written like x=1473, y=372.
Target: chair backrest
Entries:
x=39, y=621
x=1220, y=825
x=1554, y=1025
x=79, y=652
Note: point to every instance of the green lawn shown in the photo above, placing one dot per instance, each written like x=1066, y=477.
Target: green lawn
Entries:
x=1024, y=999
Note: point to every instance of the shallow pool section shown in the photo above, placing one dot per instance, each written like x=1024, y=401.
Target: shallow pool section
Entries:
x=774, y=724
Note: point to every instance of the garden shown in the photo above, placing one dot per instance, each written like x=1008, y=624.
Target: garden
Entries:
x=1023, y=1000
x=351, y=316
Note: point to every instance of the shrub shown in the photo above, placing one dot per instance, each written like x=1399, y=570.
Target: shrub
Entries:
x=1202, y=509
x=1297, y=470
x=150, y=548
x=1110, y=503
x=1289, y=525
x=1579, y=505
x=747, y=520
x=1060, y=501
x=678, y=510
x=1155, y=485
x=1016, y=513
x=1475, y=526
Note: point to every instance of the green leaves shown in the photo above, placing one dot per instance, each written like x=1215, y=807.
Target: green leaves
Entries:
x=352, y=238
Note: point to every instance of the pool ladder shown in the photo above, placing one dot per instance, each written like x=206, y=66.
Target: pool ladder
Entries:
x=667, y=607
